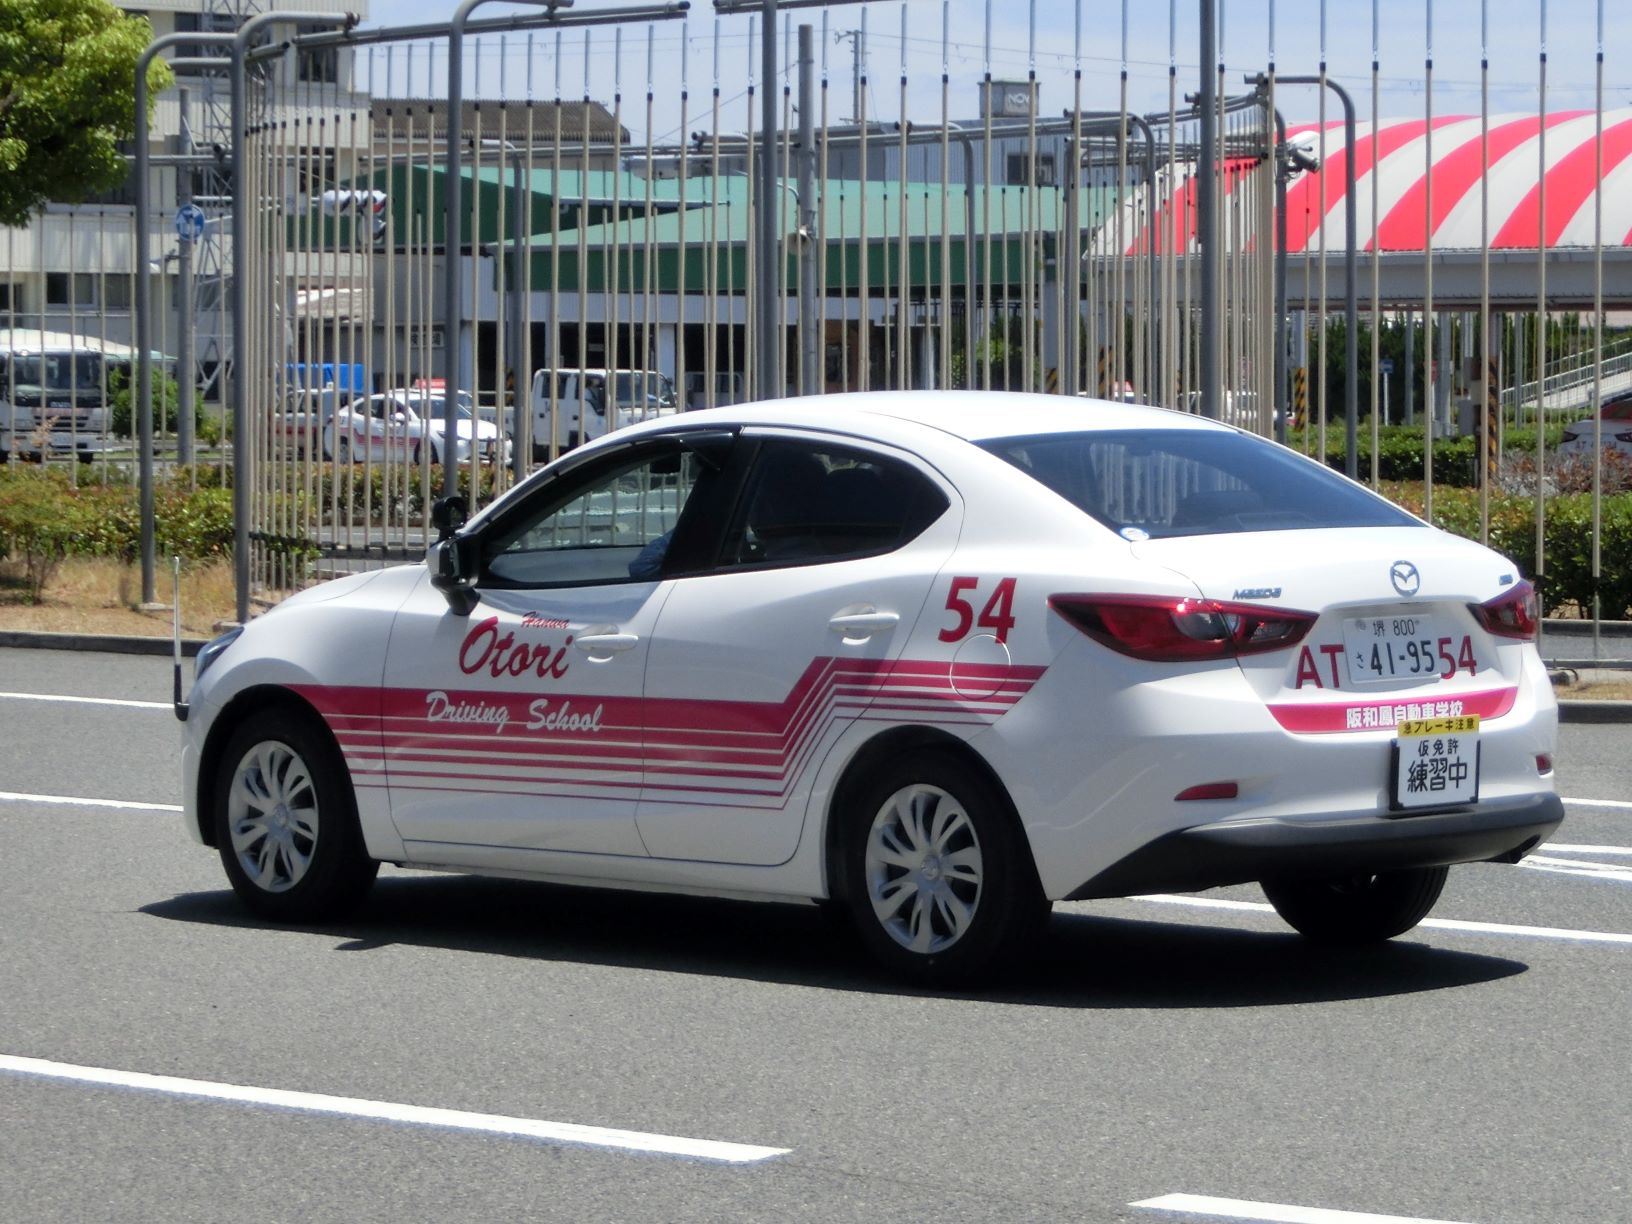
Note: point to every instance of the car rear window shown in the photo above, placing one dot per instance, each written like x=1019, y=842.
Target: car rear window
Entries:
x=1151, y=484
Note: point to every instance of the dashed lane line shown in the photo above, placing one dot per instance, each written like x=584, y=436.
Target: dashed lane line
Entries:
x=100, y=701
x=75, y=801
x=1443, y=924
x=387, y=1111
x=1281, y=1213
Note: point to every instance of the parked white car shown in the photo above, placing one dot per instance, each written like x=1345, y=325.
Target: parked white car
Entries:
x=939, y=658
x=1580, y=438
x=407, y=425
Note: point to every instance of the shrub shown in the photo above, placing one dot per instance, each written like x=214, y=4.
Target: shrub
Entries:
x=1567, y=581
x=1399, y=451
x=166, y=407
x=41, y=522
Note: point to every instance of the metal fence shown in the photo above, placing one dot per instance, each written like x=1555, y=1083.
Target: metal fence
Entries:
x=610, y=173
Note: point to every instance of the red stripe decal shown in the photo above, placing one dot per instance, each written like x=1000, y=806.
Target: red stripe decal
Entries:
x=1310, y=718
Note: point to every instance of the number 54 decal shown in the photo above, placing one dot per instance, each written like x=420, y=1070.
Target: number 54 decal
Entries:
x=997, y=614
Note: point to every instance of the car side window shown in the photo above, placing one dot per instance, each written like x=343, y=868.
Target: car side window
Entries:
x=613, y=525
x=807, y=503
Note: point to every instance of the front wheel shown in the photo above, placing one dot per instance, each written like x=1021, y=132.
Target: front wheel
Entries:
x=286, y=821
x=1357, y=909
x=935, y=870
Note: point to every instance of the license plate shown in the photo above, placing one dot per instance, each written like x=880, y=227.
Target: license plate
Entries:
x=1436, y=762
x=1383, y=648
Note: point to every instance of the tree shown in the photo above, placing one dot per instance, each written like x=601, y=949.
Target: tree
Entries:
x=67, y=98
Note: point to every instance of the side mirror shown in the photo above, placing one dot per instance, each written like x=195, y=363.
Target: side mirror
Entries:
x=452, y=562
x=448, y=514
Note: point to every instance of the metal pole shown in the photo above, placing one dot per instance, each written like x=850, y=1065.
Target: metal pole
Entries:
x=144, y=298
x=1206, y=213
x=765, y=355
x=810, y=329
x=521, y=377
x=1351, y=273
x=184, y=276
x=241, y=205
x=1282, y=172
x=453, y=374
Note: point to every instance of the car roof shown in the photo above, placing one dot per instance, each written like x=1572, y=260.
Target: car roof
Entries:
x=974, y=416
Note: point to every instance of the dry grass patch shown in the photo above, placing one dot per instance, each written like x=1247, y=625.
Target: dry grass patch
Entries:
x=100, y=595
x=1596, y=690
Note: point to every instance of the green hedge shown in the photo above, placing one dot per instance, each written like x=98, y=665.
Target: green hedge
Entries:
x=1568, y=580
x=43, y=520
x=1399, y=451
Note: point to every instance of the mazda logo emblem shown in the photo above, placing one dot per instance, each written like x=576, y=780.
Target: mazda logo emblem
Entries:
x=1405, y=578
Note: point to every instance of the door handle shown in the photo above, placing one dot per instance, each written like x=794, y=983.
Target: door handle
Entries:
x=859, y=626
x=594, y=644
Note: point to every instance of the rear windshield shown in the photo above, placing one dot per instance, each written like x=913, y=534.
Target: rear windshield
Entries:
x=1152, y=484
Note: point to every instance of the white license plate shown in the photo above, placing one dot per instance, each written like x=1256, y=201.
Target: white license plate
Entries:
x=1383, y=648
x=1436, y=762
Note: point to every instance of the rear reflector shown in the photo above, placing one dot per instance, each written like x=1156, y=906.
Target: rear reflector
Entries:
x=1167, y=628
x=1209, y=790
x=1544, y=763
x=1512, y=614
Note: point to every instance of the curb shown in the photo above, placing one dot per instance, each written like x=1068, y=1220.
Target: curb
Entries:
x=108, y=643
x=102, y=643
x=1553, y=626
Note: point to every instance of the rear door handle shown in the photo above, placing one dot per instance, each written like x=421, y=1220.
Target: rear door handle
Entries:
x=859, y=626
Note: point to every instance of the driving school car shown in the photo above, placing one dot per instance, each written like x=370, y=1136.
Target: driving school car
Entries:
x=936, y=659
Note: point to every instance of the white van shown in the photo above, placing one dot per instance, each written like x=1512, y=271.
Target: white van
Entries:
x=585, y=411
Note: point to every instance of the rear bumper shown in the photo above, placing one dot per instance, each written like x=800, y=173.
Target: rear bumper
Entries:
x=1240, y=851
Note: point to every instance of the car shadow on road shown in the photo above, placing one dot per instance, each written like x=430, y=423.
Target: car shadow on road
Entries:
x=1081, y=960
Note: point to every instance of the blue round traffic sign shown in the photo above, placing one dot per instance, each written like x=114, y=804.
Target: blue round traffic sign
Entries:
x=190, y=222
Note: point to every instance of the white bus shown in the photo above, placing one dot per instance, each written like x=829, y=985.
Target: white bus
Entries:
x=54, y=392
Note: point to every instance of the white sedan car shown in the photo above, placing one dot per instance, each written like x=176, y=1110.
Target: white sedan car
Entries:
x=1614, y=433
x=408, y=425
x=937, y=659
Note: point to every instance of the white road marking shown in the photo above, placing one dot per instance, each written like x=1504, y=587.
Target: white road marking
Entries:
x=1566, y=848
x=1579, y=867
x=1443, y=924
x=1282, y=1213
x=72, y=801
x=1604, y=803
x=104, y=701
x=386, y=1111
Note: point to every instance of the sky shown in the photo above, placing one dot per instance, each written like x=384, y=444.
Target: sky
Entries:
x=1056, y=38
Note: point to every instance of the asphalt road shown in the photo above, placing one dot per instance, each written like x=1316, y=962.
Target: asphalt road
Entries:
x=1153, y=1048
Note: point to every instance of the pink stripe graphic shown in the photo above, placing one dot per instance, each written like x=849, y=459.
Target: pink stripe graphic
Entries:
x=1312, y=718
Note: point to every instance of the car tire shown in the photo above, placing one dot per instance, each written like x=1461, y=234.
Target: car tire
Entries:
x=934, y=870
x=342, y=450
x=286, y=821
x=1357, y=909
x=413, y=455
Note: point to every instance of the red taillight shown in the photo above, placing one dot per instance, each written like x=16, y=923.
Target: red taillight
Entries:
x=1209, y=790
x=1170, y=629
x=1513, y=614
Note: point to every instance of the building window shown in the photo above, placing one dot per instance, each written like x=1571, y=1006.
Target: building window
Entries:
x=58, y=286
x=1017, y=170
x=116, y=291
x=320, y=65
x=11, y=297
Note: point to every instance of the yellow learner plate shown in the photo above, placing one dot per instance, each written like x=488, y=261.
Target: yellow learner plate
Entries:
x=1460, y=724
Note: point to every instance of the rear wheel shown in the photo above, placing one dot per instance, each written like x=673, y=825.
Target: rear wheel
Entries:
x=935, y=871
x=1357, y=909
x=286, y=821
